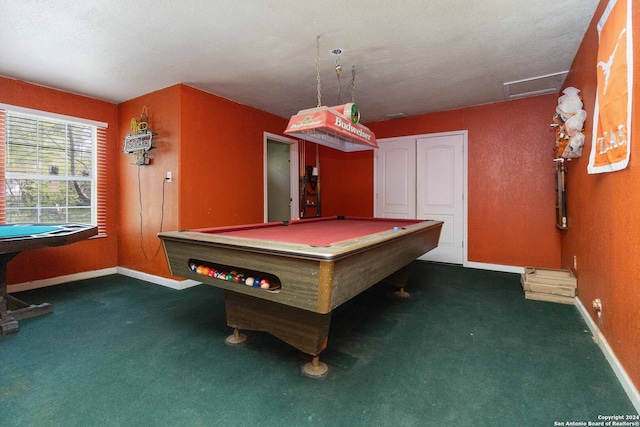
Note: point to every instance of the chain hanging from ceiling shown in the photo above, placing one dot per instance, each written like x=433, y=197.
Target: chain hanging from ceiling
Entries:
x=318, y=70
x=352, y=84
x=338, y=71
x=338, y=68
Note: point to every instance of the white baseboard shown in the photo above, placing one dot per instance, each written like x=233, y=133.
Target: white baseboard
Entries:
x=624, y=379
x=26, y=286
x=163, y=281
x=181, y=284
x=170, y=283
x=495, y=267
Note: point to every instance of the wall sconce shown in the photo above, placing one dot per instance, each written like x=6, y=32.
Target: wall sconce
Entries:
x=312, y=176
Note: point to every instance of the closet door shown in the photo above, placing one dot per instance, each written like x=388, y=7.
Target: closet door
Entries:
x=396, y=178
x=440, y=192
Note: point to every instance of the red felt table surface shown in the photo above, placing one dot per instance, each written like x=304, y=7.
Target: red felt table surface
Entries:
x=320, y=232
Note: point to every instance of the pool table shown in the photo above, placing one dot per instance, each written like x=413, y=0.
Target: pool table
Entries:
x=285, y=278
x=15, y=238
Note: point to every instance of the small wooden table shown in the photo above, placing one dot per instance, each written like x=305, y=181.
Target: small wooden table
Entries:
x=15, y=238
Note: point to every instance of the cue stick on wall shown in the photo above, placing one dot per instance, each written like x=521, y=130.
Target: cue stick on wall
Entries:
x=302, y=159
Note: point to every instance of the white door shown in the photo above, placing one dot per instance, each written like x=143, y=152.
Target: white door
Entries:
x=440, y=192
x=280, y=177
x=396, y=184
x=424, y=177
x=278, y=181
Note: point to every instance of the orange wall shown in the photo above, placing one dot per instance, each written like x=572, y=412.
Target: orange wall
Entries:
x=511, y=212
x=93, y=254
x=346, y=185
x=346, y=182
x=214, y=149
x=604, y=222
x=212, y=146
x=141, y=188
x=221, y=160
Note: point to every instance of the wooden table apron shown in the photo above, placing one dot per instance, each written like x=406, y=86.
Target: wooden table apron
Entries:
x=314, y=282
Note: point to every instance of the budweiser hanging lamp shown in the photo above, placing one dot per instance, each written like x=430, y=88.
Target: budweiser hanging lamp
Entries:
x=336, y=127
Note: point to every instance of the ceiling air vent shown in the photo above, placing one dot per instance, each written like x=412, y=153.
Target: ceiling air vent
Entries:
x=549, y=83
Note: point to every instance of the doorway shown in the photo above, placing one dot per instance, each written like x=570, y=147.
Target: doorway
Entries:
x=425, y=177
x=280, y=178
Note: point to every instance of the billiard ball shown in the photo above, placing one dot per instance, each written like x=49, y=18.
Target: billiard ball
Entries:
x=264, y=284
x=249, y=281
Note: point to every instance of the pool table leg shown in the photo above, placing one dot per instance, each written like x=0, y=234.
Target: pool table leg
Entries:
x=305, y=330
x=236, y=337
x=315, y=368
x=399, y=279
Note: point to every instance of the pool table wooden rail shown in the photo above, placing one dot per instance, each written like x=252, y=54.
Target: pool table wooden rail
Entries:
x=70, y=233
x=333, y=251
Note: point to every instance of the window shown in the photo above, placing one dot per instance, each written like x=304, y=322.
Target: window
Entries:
x=50, y=169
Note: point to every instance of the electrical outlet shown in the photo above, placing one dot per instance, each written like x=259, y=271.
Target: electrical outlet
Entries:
x=168, y=176
x=597, y=304
x=575, y=262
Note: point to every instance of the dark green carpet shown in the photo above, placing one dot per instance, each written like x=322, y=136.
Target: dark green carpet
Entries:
x=466, y=349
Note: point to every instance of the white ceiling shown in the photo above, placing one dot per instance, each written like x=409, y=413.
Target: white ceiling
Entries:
x=411, y=56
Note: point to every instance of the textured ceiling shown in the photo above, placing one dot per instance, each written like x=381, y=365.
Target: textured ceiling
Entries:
x=411, y=57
